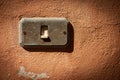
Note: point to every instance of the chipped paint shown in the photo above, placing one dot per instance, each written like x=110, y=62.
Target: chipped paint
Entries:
x=31, y=75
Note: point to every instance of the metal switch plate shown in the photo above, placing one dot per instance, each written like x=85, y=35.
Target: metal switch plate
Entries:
x=34, y=32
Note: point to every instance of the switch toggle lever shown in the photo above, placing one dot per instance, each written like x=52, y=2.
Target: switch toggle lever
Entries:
x=44, y=32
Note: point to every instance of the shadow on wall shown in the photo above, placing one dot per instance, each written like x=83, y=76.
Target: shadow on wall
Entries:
x=69, y=47
x=111, y=70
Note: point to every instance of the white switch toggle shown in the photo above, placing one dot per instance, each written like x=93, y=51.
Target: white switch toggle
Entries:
x=44, y=32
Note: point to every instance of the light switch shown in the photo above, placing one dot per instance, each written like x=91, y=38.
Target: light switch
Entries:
x=43, y=32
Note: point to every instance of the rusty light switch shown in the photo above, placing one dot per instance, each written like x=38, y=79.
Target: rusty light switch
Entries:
x=39, y=32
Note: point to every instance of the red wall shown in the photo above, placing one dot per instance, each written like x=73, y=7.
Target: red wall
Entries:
x=96, y=54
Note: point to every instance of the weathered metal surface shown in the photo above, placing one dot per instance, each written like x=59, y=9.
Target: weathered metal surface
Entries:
x=34, y=32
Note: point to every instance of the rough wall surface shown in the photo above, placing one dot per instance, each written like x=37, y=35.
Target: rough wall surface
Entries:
x=96, y=54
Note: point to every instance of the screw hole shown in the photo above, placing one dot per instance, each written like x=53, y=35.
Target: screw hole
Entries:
x=64, y=33
x=24, y=33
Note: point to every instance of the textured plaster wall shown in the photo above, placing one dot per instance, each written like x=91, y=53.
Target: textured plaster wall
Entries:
x=96, y=54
